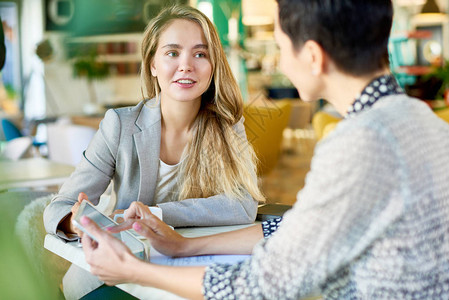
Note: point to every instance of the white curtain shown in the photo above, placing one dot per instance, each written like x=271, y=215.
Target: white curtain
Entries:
x=32, y=30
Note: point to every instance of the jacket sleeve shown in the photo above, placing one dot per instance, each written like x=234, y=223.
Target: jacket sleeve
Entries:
x=91, y=176
x=212, y=211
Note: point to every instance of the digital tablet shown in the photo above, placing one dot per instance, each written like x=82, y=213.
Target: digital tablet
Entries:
x=136, y=246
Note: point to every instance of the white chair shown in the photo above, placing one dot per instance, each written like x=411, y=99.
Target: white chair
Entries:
x=18, y=148
x=66, y=142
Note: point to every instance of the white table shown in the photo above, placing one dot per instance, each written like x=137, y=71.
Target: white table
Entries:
x=73, y=253
x=32, y=172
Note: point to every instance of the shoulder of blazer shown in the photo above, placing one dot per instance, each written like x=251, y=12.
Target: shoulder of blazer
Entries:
x=145, y=114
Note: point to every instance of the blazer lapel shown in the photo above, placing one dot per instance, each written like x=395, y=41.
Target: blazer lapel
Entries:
x=148, y=144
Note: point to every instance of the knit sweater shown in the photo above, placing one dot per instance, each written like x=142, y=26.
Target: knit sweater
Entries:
x=372, y=221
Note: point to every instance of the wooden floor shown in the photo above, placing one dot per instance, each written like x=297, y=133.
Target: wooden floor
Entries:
x=283, y=183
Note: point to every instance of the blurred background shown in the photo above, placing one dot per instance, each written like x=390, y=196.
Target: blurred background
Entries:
x=69, y=60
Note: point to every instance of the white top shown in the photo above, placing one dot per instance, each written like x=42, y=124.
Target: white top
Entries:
x=167, y=179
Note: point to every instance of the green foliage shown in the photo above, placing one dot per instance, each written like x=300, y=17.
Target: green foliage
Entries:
x=10, y=91
x=86, y=63
x=441, y=73
x=18, y=277
x=90, y=67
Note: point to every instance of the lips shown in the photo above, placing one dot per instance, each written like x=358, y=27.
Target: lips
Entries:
x=185, y=82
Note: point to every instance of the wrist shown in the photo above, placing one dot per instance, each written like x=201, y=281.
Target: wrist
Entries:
x=141, y=272
x=188, y=247
x=134, y=266
x=66, y=224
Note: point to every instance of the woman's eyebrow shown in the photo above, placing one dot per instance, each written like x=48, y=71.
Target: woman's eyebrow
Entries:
x=177, y=46
x=201, y=46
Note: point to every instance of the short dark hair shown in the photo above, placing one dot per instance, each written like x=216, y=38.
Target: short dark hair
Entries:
x=354, y=33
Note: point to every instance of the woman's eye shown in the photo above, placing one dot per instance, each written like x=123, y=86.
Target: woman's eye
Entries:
x=200, y=55
x=172, y=54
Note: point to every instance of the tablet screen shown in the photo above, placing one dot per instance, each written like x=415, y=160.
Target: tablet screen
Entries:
x=87, y=209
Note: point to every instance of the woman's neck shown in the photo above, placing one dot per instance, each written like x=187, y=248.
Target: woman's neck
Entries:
x=343, y=88
x=177, y=121
x=179, y=116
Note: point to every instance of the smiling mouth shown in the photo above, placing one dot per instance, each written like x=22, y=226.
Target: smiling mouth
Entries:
x=185, y=81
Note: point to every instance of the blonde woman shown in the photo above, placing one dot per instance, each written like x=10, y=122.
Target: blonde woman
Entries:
x=183, y=150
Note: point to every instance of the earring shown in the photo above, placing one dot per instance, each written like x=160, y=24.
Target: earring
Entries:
x=314, y=72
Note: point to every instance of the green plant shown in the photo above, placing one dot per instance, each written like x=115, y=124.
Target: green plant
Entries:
x=442, y=73
x=89, y=66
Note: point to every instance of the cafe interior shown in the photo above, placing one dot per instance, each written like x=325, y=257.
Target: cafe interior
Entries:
x=68, y=61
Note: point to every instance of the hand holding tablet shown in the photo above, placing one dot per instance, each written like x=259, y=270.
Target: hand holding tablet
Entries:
x=136, y=246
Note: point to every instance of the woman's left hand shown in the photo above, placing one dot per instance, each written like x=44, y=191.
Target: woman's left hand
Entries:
x=109, y=258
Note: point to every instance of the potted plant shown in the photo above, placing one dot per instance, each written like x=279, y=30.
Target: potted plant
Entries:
x=442, y=73
x=87, y=65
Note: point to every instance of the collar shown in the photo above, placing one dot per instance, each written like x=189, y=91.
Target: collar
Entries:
x=149, y=114
x=382, y=86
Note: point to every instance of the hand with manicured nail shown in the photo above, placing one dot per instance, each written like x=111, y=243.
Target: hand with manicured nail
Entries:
x=161, y=236
x=108, y=257
x=137, y=210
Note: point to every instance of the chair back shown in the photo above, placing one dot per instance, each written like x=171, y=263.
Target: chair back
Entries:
x=67, y=142
x=264, y=125
x=17, y=148
x=10, y=130
x=323, y=123
x=443, y=114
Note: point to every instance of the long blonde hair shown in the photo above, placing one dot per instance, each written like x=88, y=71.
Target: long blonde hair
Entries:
x=217, y=160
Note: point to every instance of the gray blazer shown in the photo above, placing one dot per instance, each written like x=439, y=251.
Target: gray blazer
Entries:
x=125, y=149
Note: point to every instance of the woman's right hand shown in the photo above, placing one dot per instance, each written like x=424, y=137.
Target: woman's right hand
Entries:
x=161, y=236
x=137, y=210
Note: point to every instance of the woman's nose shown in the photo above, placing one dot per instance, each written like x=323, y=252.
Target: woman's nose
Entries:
x=185, y=64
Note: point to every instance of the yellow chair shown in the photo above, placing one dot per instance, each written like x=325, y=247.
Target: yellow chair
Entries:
x=323, y=123
x=264, y=125
x=443, y=114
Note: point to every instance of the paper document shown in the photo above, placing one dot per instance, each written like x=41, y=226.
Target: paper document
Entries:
x=203, y=260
